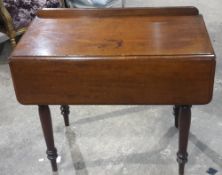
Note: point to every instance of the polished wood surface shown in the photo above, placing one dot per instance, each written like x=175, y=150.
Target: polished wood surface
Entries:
x=104, y=12
x=115, y=56
x=125, y=59
x=184, y=129
x=114, y=80
x=65, y=113
x=46, y=122
x=115, y=36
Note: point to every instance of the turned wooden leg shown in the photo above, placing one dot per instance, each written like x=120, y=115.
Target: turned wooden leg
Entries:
x=13, y=42
x=45, y=118
x=176, y=114
x=184, y=128
x=65, y=113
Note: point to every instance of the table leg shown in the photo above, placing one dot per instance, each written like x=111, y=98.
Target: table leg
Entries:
x=184, y=128
x=45, y=118
x=65, y=112
x=176, y=114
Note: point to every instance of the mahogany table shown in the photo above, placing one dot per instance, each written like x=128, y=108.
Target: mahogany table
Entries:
x=160, y=56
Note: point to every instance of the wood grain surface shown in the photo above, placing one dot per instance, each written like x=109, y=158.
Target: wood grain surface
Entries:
x=136, y=58
x=108, y=12
x=115, y=36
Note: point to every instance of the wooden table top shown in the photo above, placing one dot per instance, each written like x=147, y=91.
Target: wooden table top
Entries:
x=113, y=35
x=115, y=56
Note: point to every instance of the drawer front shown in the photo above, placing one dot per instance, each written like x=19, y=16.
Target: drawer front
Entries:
x=135, y=80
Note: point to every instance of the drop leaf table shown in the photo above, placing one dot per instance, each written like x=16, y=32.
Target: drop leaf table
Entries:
x=151, y=56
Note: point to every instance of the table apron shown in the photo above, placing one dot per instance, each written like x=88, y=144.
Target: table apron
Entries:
x=113, y=81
